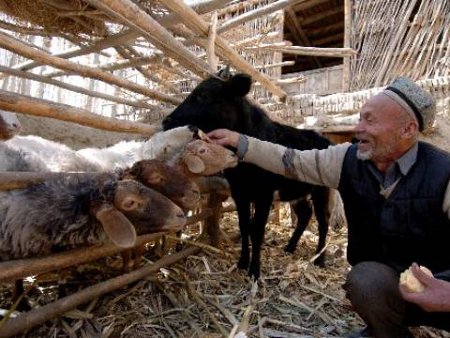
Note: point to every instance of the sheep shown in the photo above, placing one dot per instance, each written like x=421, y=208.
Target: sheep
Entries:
x=169, y=181
x=73, y=211
x=9, y=125
x=57, y=157
x=200, y=158
x=220, y=103
x=162, y=145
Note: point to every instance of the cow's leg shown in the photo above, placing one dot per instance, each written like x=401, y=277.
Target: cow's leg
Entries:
x=303, y=210
x=258, y=225
x=243, y=210
x=320, y=197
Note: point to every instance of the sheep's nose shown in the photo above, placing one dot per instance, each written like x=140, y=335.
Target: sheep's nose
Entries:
x=17, y=126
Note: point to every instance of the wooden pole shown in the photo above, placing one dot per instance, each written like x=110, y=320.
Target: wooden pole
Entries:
x=21, y=268
x=17, y=47
x=26, y=321
x=32, y=106
x=195, y=22
x=311, y=51
x=347, y=34
x=139, y=20
x=238, y=20
x=73, y=88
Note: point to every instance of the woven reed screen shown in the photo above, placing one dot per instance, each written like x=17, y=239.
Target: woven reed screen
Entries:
x=393, y=38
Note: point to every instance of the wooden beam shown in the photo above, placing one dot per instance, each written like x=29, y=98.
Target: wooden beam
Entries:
x=194, y=22
x=133, y=16
x=296, y=50
x=110, y=41
x=16, y=47
x=347, y=33
x=126, y=36
x=300, y=35
x=40, y=315
x=321, y=16
x=329, y=39
x=239, y=20
x=38, y=107
x=73, y=88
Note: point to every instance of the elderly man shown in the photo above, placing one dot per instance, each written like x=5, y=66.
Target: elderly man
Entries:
x=396, y=192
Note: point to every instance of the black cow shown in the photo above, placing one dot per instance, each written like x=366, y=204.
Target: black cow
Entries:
x=221, y=103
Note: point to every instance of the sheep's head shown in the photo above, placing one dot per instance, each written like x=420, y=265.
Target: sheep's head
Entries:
x=9, y=125
x=205, y=159
x=175, y=185
x=128, y=207
x=165, y=145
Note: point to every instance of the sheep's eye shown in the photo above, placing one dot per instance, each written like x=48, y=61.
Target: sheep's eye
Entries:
x=203, y=151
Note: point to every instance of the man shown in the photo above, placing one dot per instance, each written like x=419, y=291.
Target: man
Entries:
x=396, y=193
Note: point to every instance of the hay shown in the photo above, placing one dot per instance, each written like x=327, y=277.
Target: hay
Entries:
x=207, y=296
x=56, y=16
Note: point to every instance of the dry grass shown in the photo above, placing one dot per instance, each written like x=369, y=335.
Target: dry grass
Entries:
x=206, y=296
x=56, y=16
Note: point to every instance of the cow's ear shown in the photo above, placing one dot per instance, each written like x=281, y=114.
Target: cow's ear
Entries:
x=224, y=73
x=240, y=84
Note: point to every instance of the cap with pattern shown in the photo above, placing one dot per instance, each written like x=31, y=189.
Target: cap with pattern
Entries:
x=416, y=101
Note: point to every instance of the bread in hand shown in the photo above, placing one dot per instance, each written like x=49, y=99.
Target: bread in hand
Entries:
x=411, y=283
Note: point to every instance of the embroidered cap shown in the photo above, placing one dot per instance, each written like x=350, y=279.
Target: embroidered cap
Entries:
x=416, y=101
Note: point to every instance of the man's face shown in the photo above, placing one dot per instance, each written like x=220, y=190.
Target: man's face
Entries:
x=379, y=130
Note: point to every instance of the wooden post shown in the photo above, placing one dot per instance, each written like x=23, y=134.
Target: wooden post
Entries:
x=347, y=34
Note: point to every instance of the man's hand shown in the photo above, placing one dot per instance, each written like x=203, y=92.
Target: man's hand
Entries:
x=224, y=137
x=434, y=298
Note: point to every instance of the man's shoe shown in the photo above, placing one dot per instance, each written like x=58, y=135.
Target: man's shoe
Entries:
x=366, y=332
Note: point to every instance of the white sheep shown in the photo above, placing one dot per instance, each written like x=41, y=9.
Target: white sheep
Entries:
x=60, y=158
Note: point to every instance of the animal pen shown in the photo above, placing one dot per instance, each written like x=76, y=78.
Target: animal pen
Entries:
x=91, y=73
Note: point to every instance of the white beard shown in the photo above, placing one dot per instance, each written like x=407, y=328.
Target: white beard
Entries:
x=364, y=156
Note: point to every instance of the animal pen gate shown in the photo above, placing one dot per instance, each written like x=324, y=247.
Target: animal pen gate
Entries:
x=140, y=39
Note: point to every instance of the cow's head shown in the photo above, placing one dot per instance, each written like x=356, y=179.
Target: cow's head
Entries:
x=217, y=102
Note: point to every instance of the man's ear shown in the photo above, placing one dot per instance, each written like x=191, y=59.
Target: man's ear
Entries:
x=411, y=129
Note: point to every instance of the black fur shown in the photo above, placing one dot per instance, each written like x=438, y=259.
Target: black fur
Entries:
x=217, y=103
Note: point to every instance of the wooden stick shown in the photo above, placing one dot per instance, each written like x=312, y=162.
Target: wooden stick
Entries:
x=212, y=59
x=238, y=20
x=22, y=49
x=297, y=50
x=38, y=107
x=42, y=314
x=20, y=268
x=196, y=23
x=347, y=35
x=73, y=88
x=139, y=20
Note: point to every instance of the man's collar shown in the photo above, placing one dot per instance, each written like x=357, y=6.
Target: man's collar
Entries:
x=407, y=160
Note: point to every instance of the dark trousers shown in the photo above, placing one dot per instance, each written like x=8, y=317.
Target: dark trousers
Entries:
x=372, y=288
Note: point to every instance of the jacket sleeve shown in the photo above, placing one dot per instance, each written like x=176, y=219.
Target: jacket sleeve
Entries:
x=320, y=167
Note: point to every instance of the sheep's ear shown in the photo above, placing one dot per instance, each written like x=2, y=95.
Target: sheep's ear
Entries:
x=194, y=163
x=116, y=226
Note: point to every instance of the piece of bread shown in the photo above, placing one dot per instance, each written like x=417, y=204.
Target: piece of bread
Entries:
x=411, y=283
